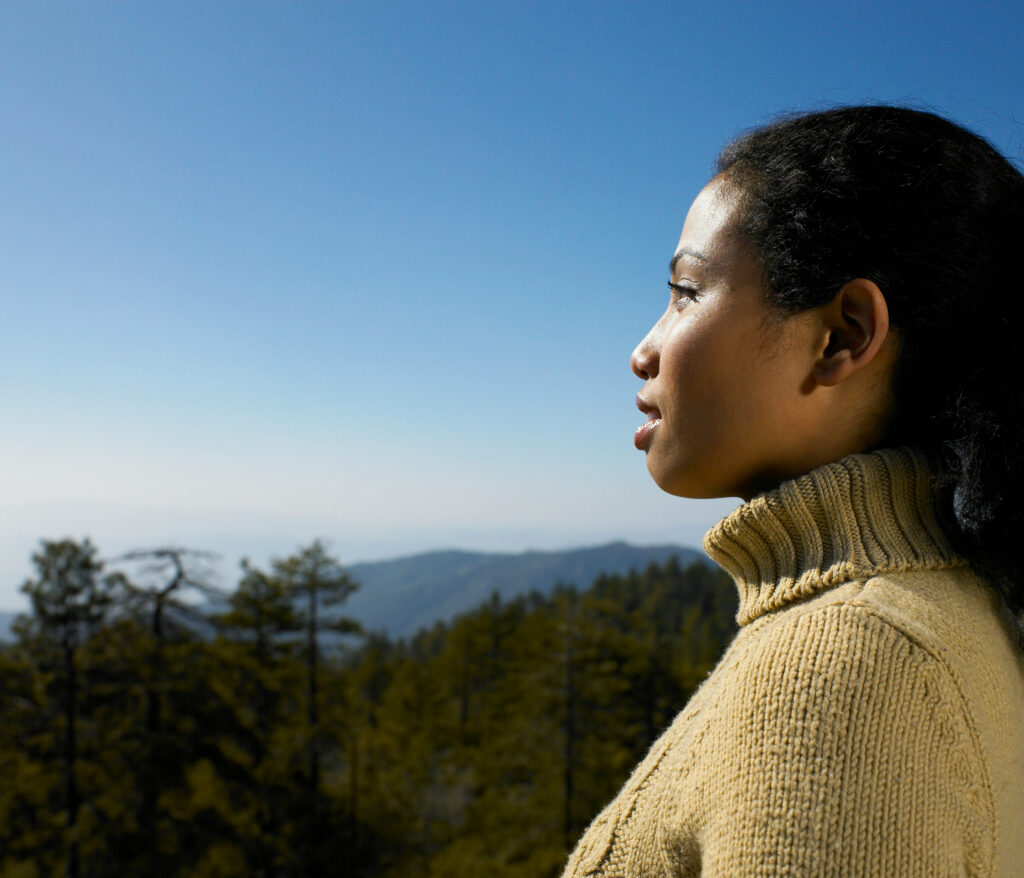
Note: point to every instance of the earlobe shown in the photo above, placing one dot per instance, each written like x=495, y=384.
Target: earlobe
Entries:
x=855, y=324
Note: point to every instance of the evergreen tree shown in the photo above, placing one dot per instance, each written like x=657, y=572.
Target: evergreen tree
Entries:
x=316, y=582
x=260, y=623
x=70, y=599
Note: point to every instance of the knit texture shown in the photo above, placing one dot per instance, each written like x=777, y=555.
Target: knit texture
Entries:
x=868, y=718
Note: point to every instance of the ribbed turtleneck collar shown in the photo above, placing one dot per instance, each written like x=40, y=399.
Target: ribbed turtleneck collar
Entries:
x=860, y=516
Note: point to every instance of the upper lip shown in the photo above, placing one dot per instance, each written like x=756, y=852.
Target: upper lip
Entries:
x=646, y=407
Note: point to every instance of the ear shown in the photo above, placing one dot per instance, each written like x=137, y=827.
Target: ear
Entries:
x=854, y=326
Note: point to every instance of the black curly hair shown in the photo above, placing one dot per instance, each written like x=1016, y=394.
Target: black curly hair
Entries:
x=934, y=215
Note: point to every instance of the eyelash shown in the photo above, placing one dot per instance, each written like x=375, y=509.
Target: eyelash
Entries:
x=682, y=291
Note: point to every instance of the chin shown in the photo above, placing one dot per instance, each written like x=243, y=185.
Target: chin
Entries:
x=693, y=484
x=681, y=485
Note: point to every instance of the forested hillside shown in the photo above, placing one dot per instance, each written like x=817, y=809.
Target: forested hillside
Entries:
x=402, y=595
x=130, y=745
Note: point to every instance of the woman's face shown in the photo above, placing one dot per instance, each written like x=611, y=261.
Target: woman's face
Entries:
x=723, y=379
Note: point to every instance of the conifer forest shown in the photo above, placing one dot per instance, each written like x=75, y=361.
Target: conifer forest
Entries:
x=150, y=726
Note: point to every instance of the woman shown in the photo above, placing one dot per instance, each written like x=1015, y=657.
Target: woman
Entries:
x=840, y=350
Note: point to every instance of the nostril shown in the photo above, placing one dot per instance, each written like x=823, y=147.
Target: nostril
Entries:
x=642, y=363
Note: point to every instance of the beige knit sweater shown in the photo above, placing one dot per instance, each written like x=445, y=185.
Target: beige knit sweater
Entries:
x=868, y=719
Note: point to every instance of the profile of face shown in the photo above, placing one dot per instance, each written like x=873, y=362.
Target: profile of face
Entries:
x=727, y=383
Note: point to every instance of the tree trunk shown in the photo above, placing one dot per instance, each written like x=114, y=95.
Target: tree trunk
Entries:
x=148, y=774
x=312, y=715
x=570, y=737
x=314, y=743
x=69, y=757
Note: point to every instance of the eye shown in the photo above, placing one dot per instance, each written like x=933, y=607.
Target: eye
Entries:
x=682, y=293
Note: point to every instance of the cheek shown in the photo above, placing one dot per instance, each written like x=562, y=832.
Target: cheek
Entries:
x=698, y=368
x=721, y=383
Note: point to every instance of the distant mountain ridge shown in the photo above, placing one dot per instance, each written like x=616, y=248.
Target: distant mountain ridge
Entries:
x=401, y=595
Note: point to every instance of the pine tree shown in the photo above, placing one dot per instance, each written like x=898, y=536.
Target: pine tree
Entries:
x=259, y=653
x=70, y=599
x=316, y=582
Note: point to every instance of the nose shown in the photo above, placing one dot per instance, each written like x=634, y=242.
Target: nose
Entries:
x=644, y=360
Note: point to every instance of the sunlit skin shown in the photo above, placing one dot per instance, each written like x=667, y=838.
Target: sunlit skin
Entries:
x=739, y=399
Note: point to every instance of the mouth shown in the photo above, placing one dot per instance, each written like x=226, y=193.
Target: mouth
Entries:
x=642, y=436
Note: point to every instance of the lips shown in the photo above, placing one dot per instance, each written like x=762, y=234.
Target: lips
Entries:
x=642, y=436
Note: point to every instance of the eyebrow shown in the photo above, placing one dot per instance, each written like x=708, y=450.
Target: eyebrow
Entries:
x=680, y=253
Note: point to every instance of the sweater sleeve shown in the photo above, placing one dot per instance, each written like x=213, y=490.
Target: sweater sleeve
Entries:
x=845, y=749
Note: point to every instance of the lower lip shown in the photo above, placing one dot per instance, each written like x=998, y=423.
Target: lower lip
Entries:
x=642, y=436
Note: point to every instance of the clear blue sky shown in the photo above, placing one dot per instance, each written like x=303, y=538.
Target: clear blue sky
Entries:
x=372, y=271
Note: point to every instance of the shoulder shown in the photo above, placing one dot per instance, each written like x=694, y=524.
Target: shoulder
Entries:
x=919, y=623
x=843, y=730
x=845, y=666
x=873, y=663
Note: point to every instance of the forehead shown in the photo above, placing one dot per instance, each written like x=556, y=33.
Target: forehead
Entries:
x=711, y=228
